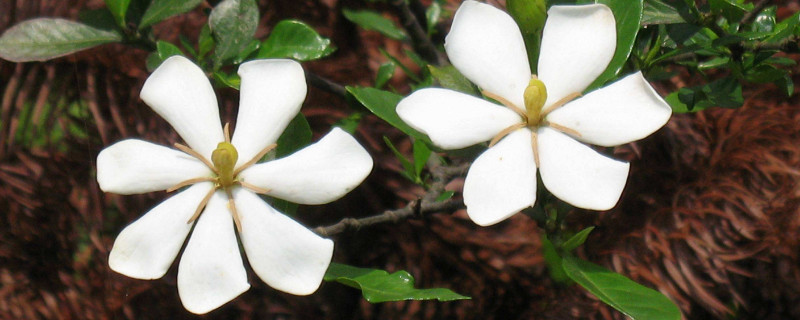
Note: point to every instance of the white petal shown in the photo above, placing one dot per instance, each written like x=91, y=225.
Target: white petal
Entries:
x=283, y=253
x=624, y=111
x=181, y=94
x=317, y=174
x=577, y=45
x=146, y=248
x=137, y=166
x=502, y=180
x=272, y=92
x=211, y=272
x=485, y=44
x=454, y=120
x=575, y=173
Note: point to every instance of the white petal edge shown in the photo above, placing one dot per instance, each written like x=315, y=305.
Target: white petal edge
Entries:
x=502, y=180
x=578, y=42
x=317, y=174
x=180, y=92
x=624, y=111
x=271, y=94
x=211, y=272
x=136, y=166
x=577, y=174
x=146, y=248
x=283, y=253
x=485, y=44
x=454, y=120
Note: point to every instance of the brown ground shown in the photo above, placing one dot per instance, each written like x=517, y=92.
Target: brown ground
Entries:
x=710, y=215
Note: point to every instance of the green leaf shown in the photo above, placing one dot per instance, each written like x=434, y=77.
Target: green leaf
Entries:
x=625, y=295
x=408, y=168
x=445, y=196
x=628, y=15
x=402, y=66
x=47, y=38
x=99, y=18
x=233, y=24
x=164, y=50
x=421, y=155
x=385, y=73
x=371, y=20
x=231, y=80
x=163, y=9
x=205, y=42
x=383, y=104
x=449, y=77
x=296, y=40
x=660, y=12
x=530, y=16
x=553, y=261
x=724, y=93
x=432, y=16
x=380, y=286
x=732, y=10
x=118, y=9
x=350, y=123
x=764, y=21
x=577, y=239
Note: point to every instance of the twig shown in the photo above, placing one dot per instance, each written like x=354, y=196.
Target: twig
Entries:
x=325, y=84
x=419, y=38
x=425, y=205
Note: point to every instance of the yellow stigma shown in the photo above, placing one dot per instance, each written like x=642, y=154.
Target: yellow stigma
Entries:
x=224, y=158
x=535, y=96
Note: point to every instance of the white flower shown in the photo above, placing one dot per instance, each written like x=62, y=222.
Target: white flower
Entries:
x=283, y=253
x=539, y=126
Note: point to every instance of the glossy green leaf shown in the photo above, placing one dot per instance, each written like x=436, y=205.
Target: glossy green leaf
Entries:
x=786, y=28
x=530, y=16
x=628, y=16
x=160, y=10
x=118, y=9
x=733, y=10
x=383, y=104
x=660, y=12
x=231, y=80
x=371, y=20
x=99, y=18
x=296, y=40
x=385, y=73
x=632, y=299
x=233, y=24
x=764, y=20
x=47, y=38
x=577, y=239
x=380, y=286
x=449, y=77
x=402, y=66
x=205, y=42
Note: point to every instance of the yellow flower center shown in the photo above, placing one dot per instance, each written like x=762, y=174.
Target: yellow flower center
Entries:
x=535, y=96
x=223, y=164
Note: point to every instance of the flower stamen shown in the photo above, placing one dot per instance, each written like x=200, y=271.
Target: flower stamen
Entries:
x=505, y=132
x=506, y=103
x=561, y=102
x=254, y=188
x=234, y=213
x=564, y=129
x=227, y=130
x=202, y=205
x=197, y=155
x=254, y=159
x=535, y=147
x=190, y=182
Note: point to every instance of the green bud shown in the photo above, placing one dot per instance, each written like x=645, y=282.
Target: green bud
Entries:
x=224, y=158
x=535, y=96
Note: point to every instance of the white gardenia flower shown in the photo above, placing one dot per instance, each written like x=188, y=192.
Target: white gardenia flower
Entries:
x=222, y=186
x=544, y=116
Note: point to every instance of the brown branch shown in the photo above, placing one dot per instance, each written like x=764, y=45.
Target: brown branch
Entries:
x=427, y=204
x=325, y=84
